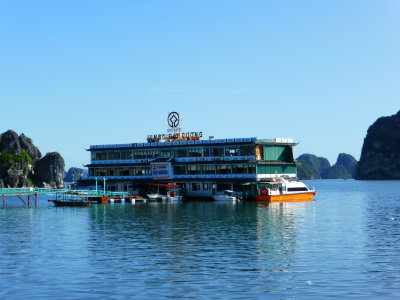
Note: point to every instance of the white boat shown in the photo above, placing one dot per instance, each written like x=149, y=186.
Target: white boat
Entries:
x=174, y=194
x=156, y=197
x=225, y=195
x=281, y=189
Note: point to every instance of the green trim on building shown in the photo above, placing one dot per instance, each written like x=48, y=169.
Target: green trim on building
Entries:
x=278, y=153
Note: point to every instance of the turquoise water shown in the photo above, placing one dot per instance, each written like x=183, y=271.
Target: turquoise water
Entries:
x=346, y=244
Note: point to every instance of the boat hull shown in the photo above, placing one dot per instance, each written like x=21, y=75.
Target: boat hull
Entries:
x=84, y=203
x=295, y=197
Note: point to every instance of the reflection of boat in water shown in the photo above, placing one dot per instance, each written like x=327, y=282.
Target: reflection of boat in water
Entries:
x=226, y=195
x=280, y=189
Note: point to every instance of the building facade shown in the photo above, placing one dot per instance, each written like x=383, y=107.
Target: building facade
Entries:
x=201, y=167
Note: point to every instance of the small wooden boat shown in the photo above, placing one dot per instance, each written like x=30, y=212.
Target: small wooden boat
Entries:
x=71, y=198
x=71, y=202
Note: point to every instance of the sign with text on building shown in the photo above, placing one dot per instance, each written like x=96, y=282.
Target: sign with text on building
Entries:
x=175, y=132
x=162, y=170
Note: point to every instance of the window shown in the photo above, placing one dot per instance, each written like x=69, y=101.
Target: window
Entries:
x=91, y=172
x=180, y=170
x=166, y=153
x=196, y=186
x=100, y=172
x=224, y=169
x=252, y=169
x=217, y=152
x=125, y=172
x=138, y=171
x=181, y=153
x=195, y=152
x=209, y=169
x=152, y=153
x=247, y=150
x=297, y=189
x=207, y=186
x=206, y=152
x=114, y=155
x=126, y=155
x=234, y=151
x=239, y=169
x=194, y=170
x=141, y=171
x=147, y=171
x=139, y=154
x=112, y=172
x=101, y=155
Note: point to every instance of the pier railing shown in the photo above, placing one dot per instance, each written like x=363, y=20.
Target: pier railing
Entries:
x=52, y=192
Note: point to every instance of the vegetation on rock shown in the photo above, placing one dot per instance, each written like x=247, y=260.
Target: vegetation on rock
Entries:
x=18, y=158
x=314, y=167
x=380, y=154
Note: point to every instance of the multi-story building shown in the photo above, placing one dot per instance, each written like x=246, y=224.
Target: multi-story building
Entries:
x=200, y=167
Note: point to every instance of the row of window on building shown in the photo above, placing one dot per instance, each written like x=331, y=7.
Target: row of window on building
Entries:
x=244, y=150
x=178, y=170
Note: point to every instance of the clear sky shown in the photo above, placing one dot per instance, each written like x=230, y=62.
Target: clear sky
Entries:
x=76, y=73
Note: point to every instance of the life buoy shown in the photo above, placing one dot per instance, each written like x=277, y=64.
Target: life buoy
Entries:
x=263, y=191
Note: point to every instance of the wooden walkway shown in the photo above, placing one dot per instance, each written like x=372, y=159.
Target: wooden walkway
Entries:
x=27, y=195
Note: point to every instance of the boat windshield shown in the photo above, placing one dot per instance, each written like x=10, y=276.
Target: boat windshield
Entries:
x=229, y=193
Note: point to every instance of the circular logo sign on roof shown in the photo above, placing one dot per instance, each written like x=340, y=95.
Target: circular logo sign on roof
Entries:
x=173, y=119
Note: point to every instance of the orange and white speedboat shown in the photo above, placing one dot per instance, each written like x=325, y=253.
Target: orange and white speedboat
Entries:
x=281, y=189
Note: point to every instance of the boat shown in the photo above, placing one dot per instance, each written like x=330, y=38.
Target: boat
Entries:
x=135, y=199
x=157, y=197
x=71, y=198
x=169, y=192
x=174, y=194
x=281, y=189
x=71, y=202
x=226, y=195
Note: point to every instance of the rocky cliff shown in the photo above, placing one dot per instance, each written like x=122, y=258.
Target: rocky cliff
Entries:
x=311, y=166
x=74, y=174
x=49, y=171
x=344, y=168
x=380, y=154
x=314, y=167
x=18, y=160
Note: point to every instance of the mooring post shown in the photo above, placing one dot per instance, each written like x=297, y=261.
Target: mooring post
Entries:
x=4, y=201
x=29, y=201
x=36, y=199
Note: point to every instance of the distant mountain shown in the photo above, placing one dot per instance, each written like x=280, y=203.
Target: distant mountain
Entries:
x=314, y=167
x=344, y=168
x=380, y=154
x=74, y=174
x=311, y=166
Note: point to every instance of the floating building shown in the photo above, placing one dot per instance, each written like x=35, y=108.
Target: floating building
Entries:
x=200, y=166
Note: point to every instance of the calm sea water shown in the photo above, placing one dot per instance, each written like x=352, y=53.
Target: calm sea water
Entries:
x=346, y=244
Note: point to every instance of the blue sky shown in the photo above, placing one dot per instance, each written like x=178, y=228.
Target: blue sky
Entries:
x=76, y=73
